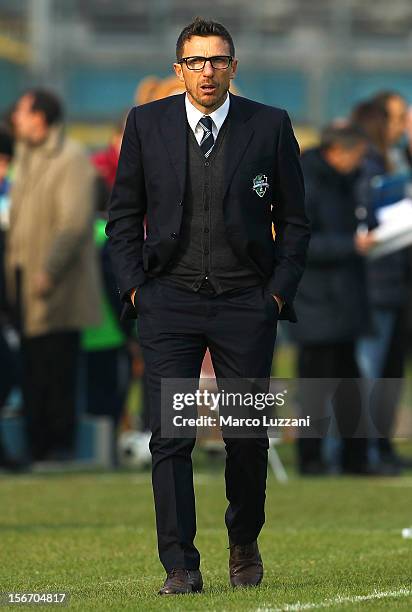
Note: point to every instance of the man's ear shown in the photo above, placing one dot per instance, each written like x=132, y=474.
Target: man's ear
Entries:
x=234, y=68
x=178, y=71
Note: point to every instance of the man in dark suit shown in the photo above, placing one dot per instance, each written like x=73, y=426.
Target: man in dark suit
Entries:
x=211, y=172
x=331, y=301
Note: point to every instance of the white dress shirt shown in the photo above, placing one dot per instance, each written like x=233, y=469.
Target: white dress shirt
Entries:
x=218, y=116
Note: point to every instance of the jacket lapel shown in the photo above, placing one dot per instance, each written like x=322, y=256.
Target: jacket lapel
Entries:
x=238, y=137
x=174, y=129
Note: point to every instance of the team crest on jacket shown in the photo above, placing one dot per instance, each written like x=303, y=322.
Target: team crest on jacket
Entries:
x=260, y=184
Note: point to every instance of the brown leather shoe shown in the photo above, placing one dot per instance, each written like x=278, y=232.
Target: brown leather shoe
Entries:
x=245, y=565
x=182, y=581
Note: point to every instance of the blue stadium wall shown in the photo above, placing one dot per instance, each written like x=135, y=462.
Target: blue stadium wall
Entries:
x=94, y=94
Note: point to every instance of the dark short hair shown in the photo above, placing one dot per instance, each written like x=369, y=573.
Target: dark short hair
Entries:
x=201, y=27
x=372, y=118
x=347, y=136
x=48, y=103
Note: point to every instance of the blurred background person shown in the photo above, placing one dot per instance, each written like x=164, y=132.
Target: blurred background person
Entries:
x=381, y=352
x=52, y=276
x=105, y=162
x=372, y=118
x=396, y=110
x=331, y=302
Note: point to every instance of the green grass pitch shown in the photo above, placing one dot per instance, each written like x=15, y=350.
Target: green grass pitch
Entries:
x=327, y=544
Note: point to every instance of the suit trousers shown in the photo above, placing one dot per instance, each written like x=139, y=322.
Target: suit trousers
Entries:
x=333, y=361
x=175, y=327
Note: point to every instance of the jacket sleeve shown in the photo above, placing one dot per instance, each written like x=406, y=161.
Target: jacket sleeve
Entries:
x=127, y=209
x=289, y=219
x=74, y=214
x=330, y=248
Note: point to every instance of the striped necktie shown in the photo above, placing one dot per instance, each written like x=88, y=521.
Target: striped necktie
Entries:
x=207, y=142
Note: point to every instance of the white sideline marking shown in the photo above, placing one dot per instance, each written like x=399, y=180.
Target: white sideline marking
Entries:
x=336, y=601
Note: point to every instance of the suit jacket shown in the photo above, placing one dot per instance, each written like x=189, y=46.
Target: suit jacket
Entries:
x=151, y=179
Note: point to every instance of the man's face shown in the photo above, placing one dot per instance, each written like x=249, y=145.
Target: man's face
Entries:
x=27, y=123
x=397, y=117
x=206, y=88
x=346, y=160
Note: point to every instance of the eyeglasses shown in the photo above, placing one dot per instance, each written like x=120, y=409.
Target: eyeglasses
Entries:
x=219, y=62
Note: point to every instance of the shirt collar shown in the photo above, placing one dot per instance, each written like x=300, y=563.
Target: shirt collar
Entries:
x=218, y=116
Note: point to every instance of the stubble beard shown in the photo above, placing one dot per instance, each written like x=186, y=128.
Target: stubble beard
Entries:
x=210, y=104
